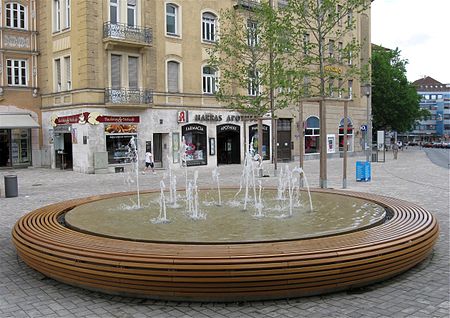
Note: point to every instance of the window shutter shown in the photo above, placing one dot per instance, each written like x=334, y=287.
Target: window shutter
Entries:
x=68, y=72
x=58, y=74
x=172, y=77
x=115, y=71
x=133, y=72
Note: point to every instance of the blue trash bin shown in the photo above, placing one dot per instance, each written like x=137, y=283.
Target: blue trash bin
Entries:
x=363, y=171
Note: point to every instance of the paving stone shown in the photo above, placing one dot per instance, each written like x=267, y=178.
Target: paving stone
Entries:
x=421, y=292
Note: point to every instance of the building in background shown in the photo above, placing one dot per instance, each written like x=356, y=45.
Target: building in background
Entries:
x=116, y=69
x=436, y=99
x=19, y=93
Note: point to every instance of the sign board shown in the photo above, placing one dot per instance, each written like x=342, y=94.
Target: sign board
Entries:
x=363, y=128
x=182, y=116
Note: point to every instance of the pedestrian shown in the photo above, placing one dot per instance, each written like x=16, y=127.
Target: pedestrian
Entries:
x=149, y=162
x=395, y=150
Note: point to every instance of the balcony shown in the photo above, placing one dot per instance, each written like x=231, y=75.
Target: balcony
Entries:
x=247, y=4
x=118, y=33
x=128, y=96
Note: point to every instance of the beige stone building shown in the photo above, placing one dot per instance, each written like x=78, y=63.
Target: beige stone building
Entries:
x=19, y=91
x=116, y=69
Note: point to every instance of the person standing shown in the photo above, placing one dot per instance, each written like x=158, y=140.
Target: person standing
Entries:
x=149, y=162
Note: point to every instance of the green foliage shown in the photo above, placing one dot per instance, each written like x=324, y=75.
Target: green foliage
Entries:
x=395, y=102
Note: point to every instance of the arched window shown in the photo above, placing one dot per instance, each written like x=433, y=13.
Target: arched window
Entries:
x=173, y=75
x=172, y=19
x=209, y=27
x=16, y=15
x=209, y=80
x=349, y=135
x=312, y=135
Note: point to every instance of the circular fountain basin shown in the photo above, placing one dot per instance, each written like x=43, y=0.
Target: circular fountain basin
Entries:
x=289, y=266
x=228, y=223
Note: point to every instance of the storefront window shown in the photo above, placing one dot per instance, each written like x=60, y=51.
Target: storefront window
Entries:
x=349, y=135
x=117, y=140
x=195, y=144
x=253, y=135
x=5, y=148
x=312, y=135
x=20, y=146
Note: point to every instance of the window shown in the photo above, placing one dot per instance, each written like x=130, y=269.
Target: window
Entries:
x=306, y=86
x=350, y=89
x=173, y=70
x=131, y=13
x=171, y=19
x=63, y=74
x=58, y=75
x=340, y=83
x=349, y=18
x=133, y=75
x=350, y=58
x=56, y=15
x=306, y=43
x=331, y=87
x=114, y=13
x=339, y=12
x=16, y=71
x=67, y=24
x=312, y=135
x=116, y=76
x=340, y=48
x=16, y=16
x=331, y=48
x=61, y=15
x=253, y=83
x=209, y=80
x=68, y=73
x=252, y=33
x=208, y=27
x=349, y=135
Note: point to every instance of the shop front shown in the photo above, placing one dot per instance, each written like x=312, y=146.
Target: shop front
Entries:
x=194, y=141
x=228, y=144
x=15, y=139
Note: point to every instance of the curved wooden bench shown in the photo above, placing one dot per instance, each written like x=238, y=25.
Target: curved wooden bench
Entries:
x=226, y=272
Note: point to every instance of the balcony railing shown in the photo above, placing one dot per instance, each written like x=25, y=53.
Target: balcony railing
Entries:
x=128, y=96
x=247, y=4
x=127, y=33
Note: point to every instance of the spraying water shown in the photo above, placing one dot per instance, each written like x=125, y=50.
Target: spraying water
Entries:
x=132, y=155
x=162, y=218
x=215, y=177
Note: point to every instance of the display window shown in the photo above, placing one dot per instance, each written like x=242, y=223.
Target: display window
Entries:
x=253, y=137
x=117, y=140
x=312, y=135
x=194, y=141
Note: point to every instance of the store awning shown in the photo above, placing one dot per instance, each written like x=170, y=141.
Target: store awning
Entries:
x=10, y=121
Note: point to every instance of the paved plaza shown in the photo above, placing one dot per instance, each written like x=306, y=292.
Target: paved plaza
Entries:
x=421, y=292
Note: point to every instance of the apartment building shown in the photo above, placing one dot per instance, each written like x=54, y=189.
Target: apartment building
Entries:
x=436, y=99
x=120, y=69
x=19, y=92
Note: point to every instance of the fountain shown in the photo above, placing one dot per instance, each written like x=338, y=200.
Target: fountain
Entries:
x=282, y=248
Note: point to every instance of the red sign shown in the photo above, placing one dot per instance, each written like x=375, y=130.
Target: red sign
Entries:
x=182, y=116
x=72, y=119
x=118, y=119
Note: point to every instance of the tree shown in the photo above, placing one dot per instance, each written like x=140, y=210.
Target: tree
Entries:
x=395, y=102
x=325, y=53
x=250, y=62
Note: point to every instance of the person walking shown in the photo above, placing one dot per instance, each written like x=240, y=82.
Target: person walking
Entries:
x=395, y=150
x=149, y=162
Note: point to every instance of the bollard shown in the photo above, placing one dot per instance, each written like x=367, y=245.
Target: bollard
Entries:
x=11, y=187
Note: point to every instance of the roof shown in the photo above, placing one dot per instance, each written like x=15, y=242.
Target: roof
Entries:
x=429, y=84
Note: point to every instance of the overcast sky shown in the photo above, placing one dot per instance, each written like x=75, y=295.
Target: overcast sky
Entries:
x=421, y=31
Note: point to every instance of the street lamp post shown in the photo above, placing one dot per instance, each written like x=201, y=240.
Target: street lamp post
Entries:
x=367, y=92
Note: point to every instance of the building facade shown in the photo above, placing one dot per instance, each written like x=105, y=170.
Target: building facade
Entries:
x=116, y=69
x=436, y=99
x=19, y=92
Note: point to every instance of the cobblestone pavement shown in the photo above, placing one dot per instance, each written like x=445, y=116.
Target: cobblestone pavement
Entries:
x=421, y=292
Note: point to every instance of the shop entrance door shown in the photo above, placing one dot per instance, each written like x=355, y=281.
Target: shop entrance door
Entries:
x=157, y=150
x=228, y=144
x=5, y=151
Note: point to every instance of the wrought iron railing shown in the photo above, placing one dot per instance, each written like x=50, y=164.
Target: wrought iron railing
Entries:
x=125, y=32
x=128, y=96
x=248, y=3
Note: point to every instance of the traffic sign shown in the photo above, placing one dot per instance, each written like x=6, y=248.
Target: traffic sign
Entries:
x=363, y=128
